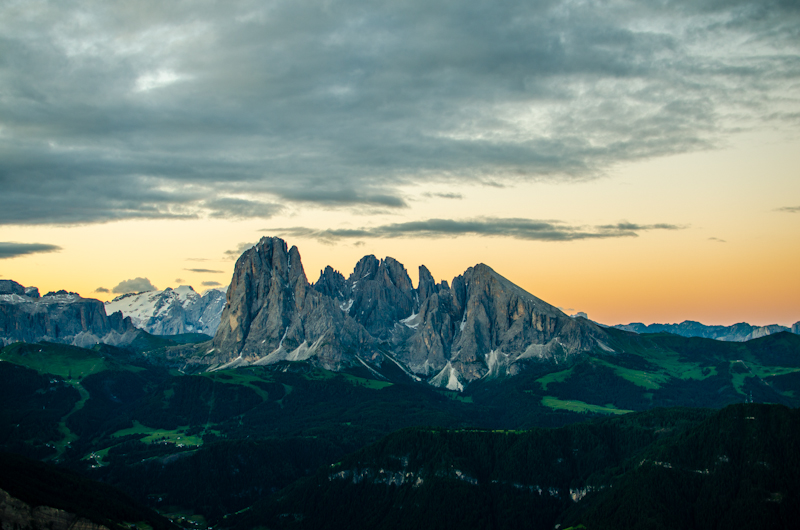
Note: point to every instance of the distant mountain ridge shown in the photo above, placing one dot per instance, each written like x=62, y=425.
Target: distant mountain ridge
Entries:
x=58, y=317
x=736, y=333
x=481, y=326
x=172, y=311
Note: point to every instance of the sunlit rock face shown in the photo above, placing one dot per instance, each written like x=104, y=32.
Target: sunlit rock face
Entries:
x=480, y=326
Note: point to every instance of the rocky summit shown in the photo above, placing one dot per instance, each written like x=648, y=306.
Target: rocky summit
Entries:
x=481, y=325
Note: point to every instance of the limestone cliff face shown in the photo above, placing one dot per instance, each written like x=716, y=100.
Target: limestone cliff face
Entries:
x=60, y=317
x=18, y=515
x=481, y=326
x=273, y=314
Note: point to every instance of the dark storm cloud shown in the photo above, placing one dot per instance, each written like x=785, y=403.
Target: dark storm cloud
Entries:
x=146, y=109
x=136, y=285
x=528, y=229
x=202, y=270
x=12, y=250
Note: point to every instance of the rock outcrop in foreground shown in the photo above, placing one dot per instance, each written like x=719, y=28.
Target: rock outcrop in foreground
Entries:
x=480, y=326
x=18, y=515
x=58, y=317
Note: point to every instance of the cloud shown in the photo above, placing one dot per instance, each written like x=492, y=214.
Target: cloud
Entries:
x=238, y=251
x=789, y=209
x=718, y=240
x=102, y=290
x=136, y=285
x=240, y=110
x=211, y=284
x=527, y=229
x=232, y=208
x=203, y=270
x=443, y=195
x=179, y=280
x=13, y=250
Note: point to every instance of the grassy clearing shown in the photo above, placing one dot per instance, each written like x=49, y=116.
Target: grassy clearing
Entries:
x=185, y=518
x=67, y=436
x=555, y=377
x=580, y=406
x=243, y=377
x=98, y=457
x=456, y=396
x=644, y=379
x=673, y=367
x=323, y=374
x=68, y=362
x=177, y=436
x=372, y=384
x=739, y=372
x=770, y=371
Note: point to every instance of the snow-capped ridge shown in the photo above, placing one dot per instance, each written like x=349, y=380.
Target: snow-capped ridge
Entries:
x=171, y=311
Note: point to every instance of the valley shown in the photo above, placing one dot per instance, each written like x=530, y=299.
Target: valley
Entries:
x=312, y=395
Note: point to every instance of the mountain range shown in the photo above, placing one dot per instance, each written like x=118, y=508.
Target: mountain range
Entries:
x=479, y=326
x=363, y=401
x=740, y=332
x=58, y=317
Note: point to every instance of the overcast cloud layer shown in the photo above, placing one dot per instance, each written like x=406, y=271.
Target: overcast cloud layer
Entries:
x=139, y=109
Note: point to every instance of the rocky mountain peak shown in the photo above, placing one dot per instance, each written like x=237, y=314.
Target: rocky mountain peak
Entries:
x=331, y=283
x=382, y=294
x=365, y=269
x=273, y=314
x=481, y=326
x=426, y=285
x=11, y=287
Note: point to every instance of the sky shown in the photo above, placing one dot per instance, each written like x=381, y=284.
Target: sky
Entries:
x=638, y=161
